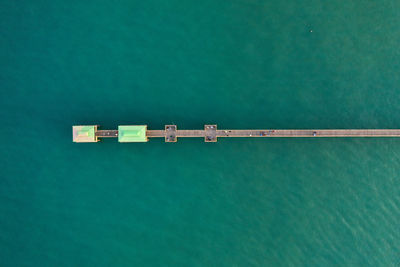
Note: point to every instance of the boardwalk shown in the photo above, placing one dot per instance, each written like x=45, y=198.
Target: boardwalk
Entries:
x=210, y=133
x=283, y=133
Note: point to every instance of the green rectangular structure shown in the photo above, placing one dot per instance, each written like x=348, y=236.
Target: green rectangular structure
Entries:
x=132, y=133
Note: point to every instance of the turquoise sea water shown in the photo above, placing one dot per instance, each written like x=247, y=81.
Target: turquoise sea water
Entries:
x=238, y=202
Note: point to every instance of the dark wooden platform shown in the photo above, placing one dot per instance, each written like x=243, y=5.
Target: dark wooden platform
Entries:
x=107, y=133
x=170, y=133
x=210, y=133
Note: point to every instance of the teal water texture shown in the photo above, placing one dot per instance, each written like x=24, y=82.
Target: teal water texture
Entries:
x=239, y=202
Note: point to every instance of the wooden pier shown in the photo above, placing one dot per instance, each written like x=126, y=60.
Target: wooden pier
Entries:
x=210, y=133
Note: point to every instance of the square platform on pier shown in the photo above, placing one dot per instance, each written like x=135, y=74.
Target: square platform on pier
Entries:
x=170, y=133
x=210, y=133
x=84, y=133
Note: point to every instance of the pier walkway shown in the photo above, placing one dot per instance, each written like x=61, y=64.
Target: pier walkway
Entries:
x=282, y=133
x=210, y=133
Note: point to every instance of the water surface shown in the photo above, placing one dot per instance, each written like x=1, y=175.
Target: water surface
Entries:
x=238, y=202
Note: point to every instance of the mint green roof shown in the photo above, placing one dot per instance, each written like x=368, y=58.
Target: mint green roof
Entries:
x=85, y=133
x=132, y=133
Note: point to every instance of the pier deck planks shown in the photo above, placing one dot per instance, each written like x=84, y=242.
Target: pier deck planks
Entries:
x=284, y=133
x=211, y=133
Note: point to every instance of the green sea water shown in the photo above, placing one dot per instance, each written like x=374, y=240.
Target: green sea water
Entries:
x=239, y=202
